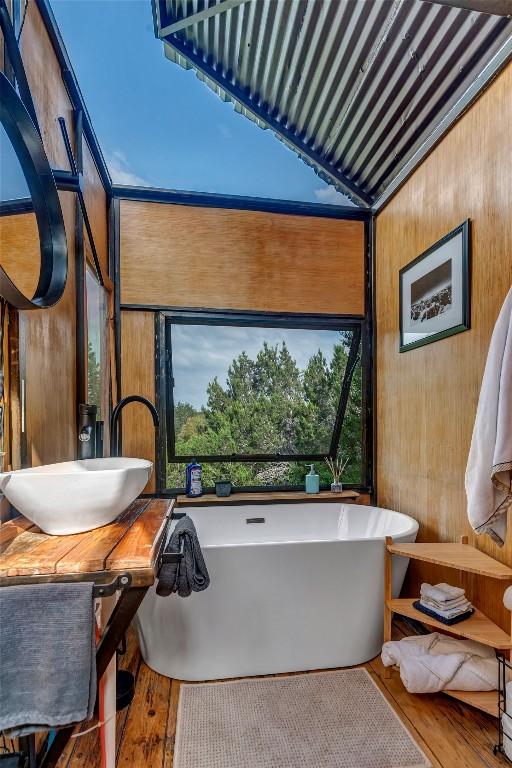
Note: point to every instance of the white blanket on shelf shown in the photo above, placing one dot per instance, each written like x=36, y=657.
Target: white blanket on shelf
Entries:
x=489, y=468
x=435, y=662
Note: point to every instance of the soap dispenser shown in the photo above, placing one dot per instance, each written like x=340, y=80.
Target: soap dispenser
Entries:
x=312, y=481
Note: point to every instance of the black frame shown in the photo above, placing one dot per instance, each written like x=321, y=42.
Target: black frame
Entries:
x=26, y=141
x=465, y=230
x=165, y=448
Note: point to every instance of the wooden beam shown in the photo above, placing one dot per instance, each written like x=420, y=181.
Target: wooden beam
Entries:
x=195, y=18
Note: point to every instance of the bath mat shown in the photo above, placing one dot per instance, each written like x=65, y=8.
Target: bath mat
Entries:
x=321, y=719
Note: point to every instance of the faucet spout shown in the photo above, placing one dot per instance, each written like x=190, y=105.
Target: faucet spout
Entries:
x=116, y=413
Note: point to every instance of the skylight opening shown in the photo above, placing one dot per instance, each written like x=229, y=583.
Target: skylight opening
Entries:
x=159, y=126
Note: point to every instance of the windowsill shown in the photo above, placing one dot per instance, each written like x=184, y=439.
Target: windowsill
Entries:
x=271, y=497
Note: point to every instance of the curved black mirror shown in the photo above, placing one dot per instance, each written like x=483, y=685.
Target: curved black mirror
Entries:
x=21, y=139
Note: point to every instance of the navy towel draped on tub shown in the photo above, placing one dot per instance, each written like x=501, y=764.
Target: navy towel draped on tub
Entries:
x=190, y=573
x=47, y=647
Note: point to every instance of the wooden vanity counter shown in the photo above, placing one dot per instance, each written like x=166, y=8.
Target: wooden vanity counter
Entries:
x=130, y=545
x=122, y=560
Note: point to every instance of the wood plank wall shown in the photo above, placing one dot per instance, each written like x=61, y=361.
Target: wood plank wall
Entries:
x=427, y=397
x=20, y=253
x=138, y=378
x=225, y=259
x=174, y=255
x=50, y=335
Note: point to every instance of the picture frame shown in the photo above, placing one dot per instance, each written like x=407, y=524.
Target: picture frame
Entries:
x=434, y=291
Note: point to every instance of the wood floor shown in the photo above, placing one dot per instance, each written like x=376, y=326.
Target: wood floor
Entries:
x=452, y=734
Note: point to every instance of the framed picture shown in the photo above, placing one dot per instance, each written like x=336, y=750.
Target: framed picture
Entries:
x=435, y=291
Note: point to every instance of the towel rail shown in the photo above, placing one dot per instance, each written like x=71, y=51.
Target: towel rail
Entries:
x=172, y=557
x=106, y=590
x=505, y=667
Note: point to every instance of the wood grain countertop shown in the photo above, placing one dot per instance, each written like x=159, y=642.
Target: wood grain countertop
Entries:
x=129, y=545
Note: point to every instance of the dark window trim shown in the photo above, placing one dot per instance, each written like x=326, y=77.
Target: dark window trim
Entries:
x=164, y=394
x=16, y=206
x=238, y=202
x=74, y=92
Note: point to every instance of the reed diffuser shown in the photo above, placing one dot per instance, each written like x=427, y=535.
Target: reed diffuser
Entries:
x=336, y=466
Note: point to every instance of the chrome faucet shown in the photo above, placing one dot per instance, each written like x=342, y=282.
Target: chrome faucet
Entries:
x=114, y=419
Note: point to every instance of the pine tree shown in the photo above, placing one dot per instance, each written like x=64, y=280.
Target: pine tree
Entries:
x=93, y=380
x=268, y=406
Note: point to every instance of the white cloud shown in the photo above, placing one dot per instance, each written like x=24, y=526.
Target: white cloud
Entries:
x=200, y=354
x=121, y=172
x=331, y=195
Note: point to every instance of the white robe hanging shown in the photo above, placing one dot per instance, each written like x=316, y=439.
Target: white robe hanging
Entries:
x=489, y=468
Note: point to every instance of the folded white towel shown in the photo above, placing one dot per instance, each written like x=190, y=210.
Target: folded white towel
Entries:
x=430, y=673
x=394, y=651
x=446, y=613
x=434, y=643
x=451, y=605
x=441, y=592
x=448, y=606
x=436, y=662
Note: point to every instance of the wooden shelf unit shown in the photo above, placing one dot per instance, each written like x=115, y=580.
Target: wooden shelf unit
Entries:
x=461, y=556
x=479, y=627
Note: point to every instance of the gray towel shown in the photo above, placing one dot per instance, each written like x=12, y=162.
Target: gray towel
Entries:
x=48, y=656
x=189, y=575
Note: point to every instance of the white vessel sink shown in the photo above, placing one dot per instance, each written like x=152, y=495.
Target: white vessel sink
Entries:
x=76, y=496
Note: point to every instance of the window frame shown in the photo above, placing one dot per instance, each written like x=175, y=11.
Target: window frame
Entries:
x=359, y=352
x=105, y=351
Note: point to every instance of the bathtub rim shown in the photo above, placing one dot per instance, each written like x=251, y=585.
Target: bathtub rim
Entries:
x=413, y=528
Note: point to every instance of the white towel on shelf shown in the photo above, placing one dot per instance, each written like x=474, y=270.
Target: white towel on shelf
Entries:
x=448, y=605
x=434, y=643
x=442, y=644
x=446, y=613
x=441, y=593
x=430, y=673
x=435, y=662
x=489, y=468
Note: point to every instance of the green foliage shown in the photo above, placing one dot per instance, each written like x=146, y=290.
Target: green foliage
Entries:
x=182, y=413
x=268, y=406
x=93, y=380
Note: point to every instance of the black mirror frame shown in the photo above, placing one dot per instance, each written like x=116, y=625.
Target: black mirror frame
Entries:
x=27, y=144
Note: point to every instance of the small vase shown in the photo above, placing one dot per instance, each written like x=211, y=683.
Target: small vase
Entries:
x=336, y=487
x=223, y=488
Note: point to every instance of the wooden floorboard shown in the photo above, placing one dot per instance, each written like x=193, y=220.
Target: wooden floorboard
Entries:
x=450, y=733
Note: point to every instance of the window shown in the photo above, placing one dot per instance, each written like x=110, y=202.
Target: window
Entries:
x=256, y=398
x=97, y=345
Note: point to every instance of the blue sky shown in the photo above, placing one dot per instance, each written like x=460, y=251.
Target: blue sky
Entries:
x=158, y=125
x=12, y=180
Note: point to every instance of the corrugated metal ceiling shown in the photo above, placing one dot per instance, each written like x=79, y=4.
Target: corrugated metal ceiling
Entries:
x=355, y=87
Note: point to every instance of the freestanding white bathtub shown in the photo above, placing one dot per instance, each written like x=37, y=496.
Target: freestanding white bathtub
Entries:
x=293, y=587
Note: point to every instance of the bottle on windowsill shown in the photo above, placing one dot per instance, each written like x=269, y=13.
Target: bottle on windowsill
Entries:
x=193, y=481
x=312, y=481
